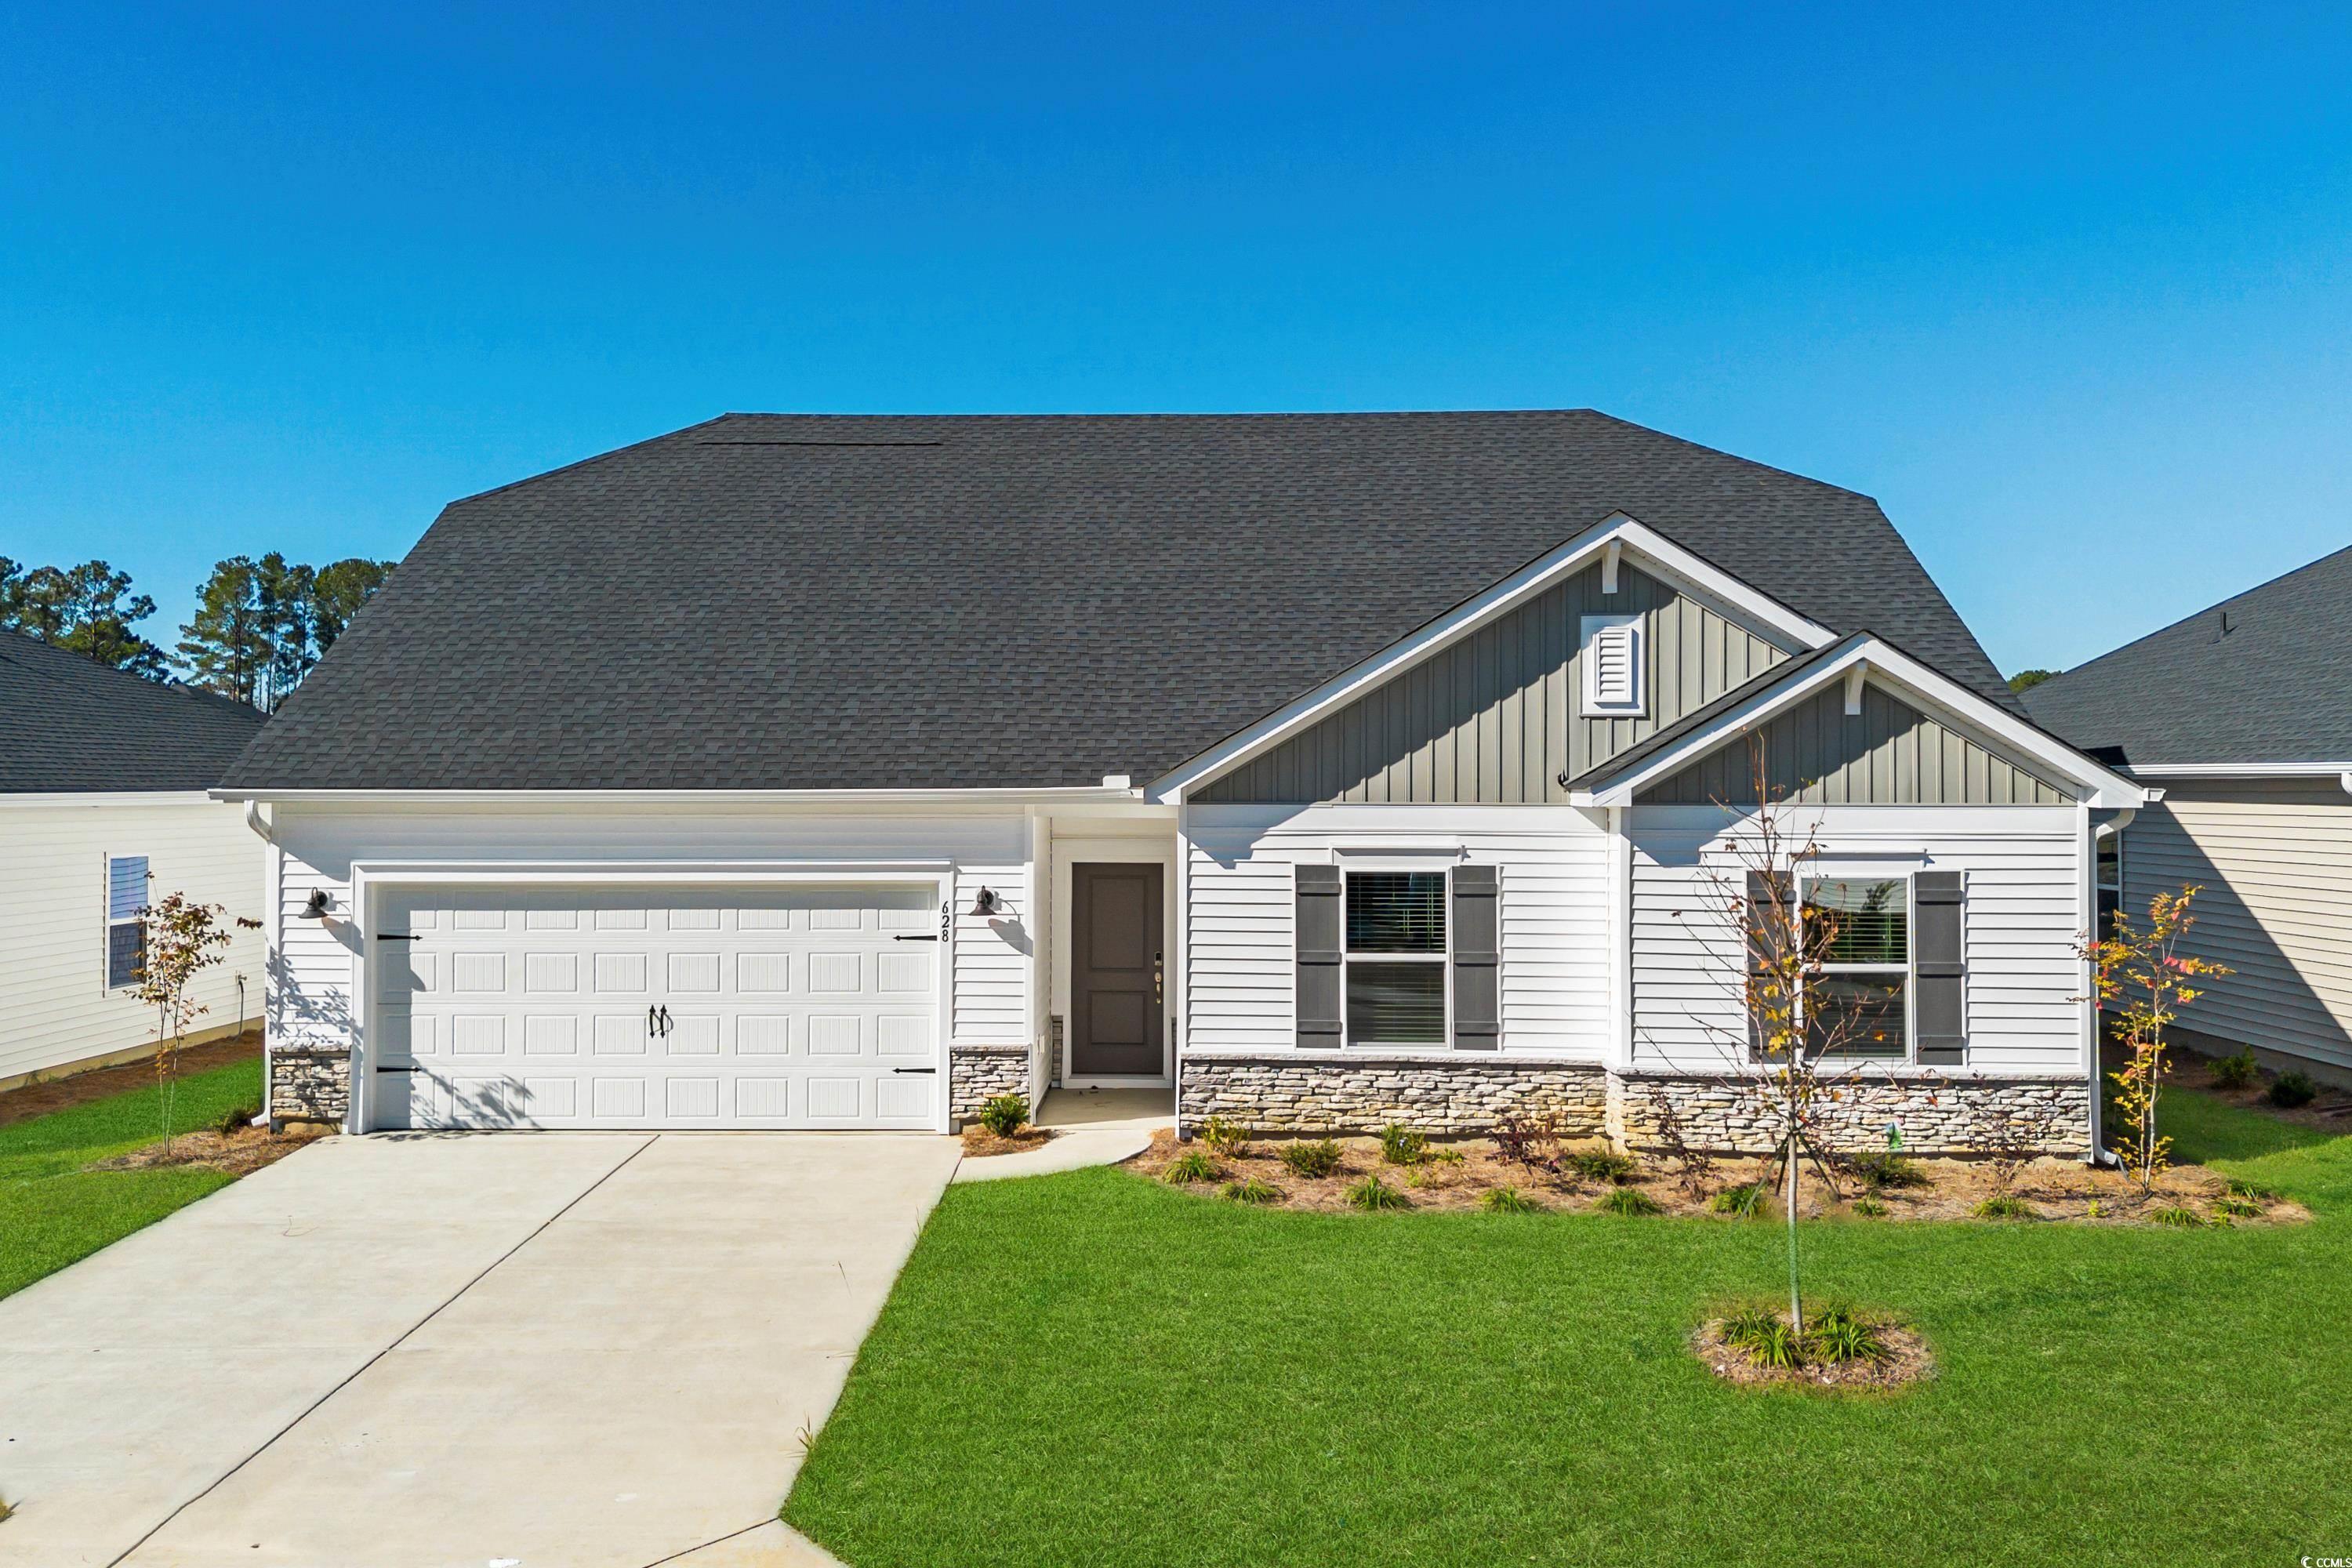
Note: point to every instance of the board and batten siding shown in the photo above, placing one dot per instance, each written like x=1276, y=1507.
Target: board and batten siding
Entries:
x=2022, y=918
x=2274, y=861
x=1888, y=754
x=1553, y=917
x=58, y=1010
x=311, y=1000
x=1494, y=719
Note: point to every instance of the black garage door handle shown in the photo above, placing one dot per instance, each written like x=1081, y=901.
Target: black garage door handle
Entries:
x=915, y=1069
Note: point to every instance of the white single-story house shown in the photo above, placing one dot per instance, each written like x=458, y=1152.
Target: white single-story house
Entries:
x=1326, y=771
x=2239, y=717
x=103, y=807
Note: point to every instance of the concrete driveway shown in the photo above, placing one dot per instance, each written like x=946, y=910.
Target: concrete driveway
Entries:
x=526, y=1351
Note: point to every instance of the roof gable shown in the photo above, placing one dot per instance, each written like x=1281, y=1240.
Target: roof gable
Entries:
x=769, y=602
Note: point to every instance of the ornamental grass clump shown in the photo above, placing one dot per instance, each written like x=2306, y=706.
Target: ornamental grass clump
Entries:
x=2178, y=1218
x=1508, y=1200
x=1745, y=1202
x=1004, y=1114
x=1600, y=1164
x=2005, y=1205
x=1190, y=1169
x=1253, y=1191
x=1371, y=1194
x=1626, y=1201
x=1837, y=1336
x=1312, y=1160
x=1225, y=1138
x=1879, y=1170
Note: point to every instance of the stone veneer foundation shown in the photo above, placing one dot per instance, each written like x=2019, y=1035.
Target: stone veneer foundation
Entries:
x=308, y=1085
x=979, y=1072
x=1325, y=1092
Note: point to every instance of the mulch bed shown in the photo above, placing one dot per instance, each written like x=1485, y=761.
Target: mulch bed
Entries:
x=2056, y=1190
x=2330, y=1112
x=979, y=1142
x=1907, y=1360
x=239, y=1154
x=58, y=1093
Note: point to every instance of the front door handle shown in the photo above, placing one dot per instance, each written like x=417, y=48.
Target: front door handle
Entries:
x=1159, y=980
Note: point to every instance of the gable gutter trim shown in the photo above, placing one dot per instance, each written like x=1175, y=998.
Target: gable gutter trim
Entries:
x=1620, y=532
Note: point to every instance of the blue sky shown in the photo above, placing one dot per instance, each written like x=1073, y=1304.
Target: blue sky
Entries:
x=2069, y=290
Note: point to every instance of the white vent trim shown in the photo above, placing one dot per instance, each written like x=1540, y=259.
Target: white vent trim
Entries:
x=1615, y=665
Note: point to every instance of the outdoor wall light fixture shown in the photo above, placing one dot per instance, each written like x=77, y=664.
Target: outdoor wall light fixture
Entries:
x=316, y=909
x=987, y=903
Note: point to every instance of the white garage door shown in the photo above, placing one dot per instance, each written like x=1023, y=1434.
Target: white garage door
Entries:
x=806, y=1006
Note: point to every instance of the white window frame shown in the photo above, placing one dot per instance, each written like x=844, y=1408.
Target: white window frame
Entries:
x=1909, y=968
x=107, y=921
x=1444, y=958
x=1589, y=631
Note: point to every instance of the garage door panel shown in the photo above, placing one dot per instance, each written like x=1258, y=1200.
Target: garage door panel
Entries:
x=690, y=1007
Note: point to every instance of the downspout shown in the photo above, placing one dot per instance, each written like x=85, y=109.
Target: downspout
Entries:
x=270, y=931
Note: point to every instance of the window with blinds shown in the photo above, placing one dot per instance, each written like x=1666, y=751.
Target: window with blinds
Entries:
x=1860, y=932
x=1613, y=657
x=126, y=934
x=1395, y=958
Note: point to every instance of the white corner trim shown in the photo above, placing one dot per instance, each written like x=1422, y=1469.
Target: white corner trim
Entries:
x=1627, y=535
x=1892, y=669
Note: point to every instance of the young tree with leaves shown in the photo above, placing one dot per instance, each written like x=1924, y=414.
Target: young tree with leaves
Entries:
x=2143, y=968
x=181, y=939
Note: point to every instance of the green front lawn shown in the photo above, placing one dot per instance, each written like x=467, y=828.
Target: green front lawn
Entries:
x=1086, y=1369
x=53, y=1213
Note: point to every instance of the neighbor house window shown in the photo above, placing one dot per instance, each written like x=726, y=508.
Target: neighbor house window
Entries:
x=1856, y=1005
x=1614, y=679
x=2109, y=881
x=126, y=935
x=1396, y=958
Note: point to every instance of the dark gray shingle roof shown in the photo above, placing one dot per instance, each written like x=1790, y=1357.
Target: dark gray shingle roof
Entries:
x=2276, y=687
x=769, y=601
x=71, y=724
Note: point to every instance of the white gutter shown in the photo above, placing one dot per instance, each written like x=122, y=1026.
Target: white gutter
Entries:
x=2342, y=770
x=1060, y=793
x=253, y=819
x=107, y=797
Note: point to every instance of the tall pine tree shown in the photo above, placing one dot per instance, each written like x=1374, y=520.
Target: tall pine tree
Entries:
x=88, y=609
x=261, y=624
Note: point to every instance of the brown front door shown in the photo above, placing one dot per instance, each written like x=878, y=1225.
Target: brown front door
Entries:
x=1118, y=975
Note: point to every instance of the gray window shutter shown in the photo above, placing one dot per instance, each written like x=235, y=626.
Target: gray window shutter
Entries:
x=1765, y=895
x=1939, y=967
x=1317, y=899
x=1477, y=970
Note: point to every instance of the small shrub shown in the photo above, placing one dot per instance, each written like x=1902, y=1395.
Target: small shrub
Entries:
x=1508, y=1200
x=2294, y=1089
x=2094, y=1210
x=1312, y=1160
x=237, y=1120
x=2237, y=1208
x=2236, y=1072
x=1370, y=1193
x=1250, y=1192
x=1878, y=1171
x=1529, y=1141
x=1839, y=1335
x=2179, y=1219
x=1627, y=1201
x=1186, y=1170
x=2005, y=1205
x=1745, y=1202
x=1600, y=1164
x=1227, y=1139
x=1444, y=1156
x=1402, y=1145
x=1869, y=1207
x=1002, y=1115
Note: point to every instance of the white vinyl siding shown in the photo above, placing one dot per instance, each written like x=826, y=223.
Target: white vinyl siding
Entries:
x=1553, y=929
x=2275, y=864
x=311, y=999
x=57, y=902
x=2020, y=924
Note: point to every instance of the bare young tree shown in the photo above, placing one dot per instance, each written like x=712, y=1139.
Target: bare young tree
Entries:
x=1791, y=1033
x=180, y=939
x=2005, y=1133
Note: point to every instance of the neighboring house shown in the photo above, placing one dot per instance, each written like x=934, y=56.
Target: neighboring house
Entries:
x=102, y=807
x=2242, y=716
x=839, y=771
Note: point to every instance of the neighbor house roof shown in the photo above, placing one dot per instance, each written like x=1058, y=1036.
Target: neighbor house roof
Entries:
x=74, y=725
x=2263, y=677
x=793, y=602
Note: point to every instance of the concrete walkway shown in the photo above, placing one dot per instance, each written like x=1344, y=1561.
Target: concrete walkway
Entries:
x=522, y=1349
x=1092, y=1127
